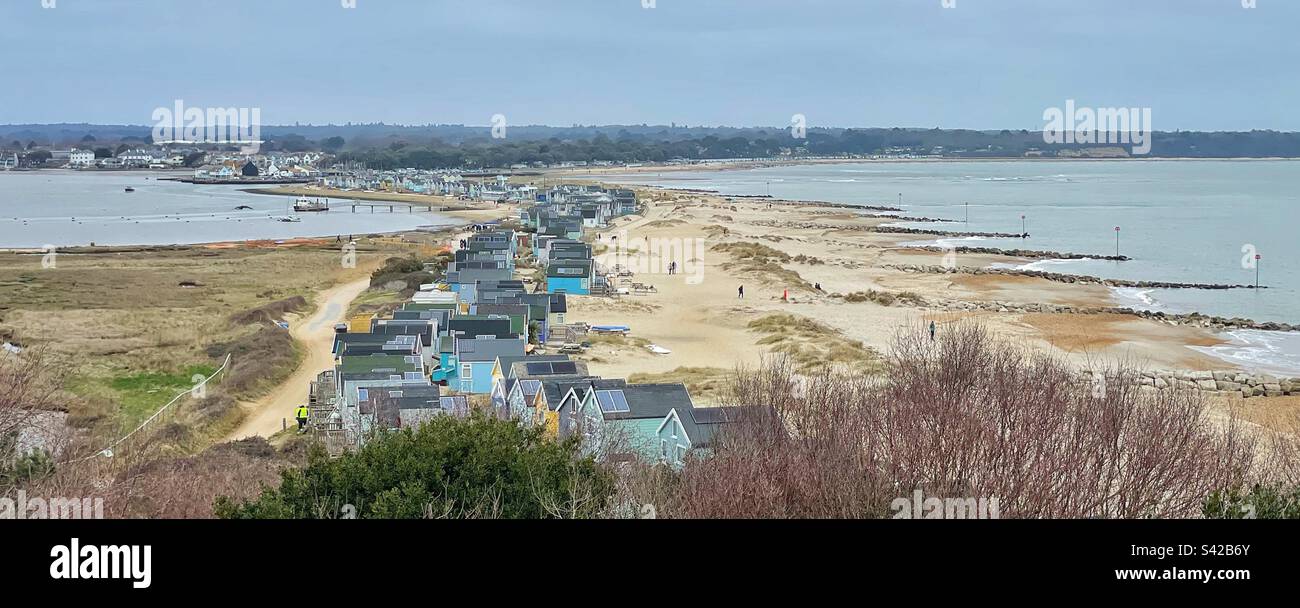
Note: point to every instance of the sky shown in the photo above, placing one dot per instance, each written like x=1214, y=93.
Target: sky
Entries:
x=980, y=64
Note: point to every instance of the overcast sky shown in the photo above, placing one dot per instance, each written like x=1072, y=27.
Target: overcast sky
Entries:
x=1198, y=64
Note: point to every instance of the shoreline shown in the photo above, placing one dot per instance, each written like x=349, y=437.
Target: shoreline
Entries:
x=1016, y=254
x=843, y=251
x=746, y=164
x=461, y=216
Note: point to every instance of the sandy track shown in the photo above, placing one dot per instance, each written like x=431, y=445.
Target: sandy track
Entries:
x=315, y=334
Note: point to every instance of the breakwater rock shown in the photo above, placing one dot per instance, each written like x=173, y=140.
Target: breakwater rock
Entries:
x=901, y=230
x=1229, y=382
x=1031, y=254
x=1063, y=278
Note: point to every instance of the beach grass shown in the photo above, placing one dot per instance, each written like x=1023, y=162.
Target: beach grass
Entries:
x=705, y=384
x=811, y=345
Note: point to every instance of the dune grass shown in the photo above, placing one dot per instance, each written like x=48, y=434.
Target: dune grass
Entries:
x=811, y=346
x=706, y=384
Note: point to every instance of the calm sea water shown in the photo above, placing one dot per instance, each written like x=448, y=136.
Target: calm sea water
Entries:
x=1185, y=221
x=64, y=208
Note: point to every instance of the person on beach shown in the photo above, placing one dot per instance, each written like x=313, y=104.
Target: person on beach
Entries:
x=932, y=329
x=741, y=292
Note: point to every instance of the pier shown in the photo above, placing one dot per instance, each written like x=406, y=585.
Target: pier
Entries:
x=410, y=207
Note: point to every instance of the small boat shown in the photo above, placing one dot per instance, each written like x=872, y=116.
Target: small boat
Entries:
x=130, y=189
x=611, y=329
x=306, y=204
x=287, y=218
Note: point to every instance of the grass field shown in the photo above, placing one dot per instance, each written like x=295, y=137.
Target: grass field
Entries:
x=129, y=330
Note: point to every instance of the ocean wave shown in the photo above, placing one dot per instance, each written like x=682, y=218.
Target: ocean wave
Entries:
x=1266, y=352
x=1136, y=298
x=1037, y=265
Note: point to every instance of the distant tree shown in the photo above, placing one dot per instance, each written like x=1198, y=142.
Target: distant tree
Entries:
x=479, y=467
x=332, y=144
x=120, y=149
x=39, y=156
x=88, y=139
x=103, y=153
x=31, y=145
x=194, y=159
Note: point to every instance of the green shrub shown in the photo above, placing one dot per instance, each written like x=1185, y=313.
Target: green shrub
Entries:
x=448, y=467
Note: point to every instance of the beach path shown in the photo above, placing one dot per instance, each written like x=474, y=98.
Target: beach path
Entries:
x=315, y=335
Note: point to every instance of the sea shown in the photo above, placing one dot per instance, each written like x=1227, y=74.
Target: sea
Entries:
x=1186, y=221
x=62, y=208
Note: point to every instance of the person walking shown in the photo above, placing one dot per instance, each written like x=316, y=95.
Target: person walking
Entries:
x=301, y=415
x=932, y=330
x=741, y=292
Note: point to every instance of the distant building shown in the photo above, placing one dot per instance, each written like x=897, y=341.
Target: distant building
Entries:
x=81, y=158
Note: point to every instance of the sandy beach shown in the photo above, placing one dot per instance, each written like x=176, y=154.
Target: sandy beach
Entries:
x=779, y=250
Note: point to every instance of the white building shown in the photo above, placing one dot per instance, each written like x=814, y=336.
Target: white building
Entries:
x=81, y=158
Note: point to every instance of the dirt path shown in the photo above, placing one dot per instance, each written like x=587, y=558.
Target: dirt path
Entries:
x=316, y=335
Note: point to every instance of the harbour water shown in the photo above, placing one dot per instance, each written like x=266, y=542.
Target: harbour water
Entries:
x=1180, y=221
x=66, y=208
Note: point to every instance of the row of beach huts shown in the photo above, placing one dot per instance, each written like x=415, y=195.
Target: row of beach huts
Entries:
x=485, y=339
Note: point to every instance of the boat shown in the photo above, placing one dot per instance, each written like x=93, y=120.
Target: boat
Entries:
x=287, y=218
x=130, y=189
x=303, y=203
x=611, y=329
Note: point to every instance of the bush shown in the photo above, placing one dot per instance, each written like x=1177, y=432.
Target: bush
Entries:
x=29, y=467
x=394, y=268
x=1272, y=501
x=269, y=313
x=965, y=416
x=447, y=468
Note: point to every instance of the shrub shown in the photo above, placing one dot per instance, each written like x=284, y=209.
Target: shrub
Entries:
x=1263, y=501
x=964, y=416
x=447, y=468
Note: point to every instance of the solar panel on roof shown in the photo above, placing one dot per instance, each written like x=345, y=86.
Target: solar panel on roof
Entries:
x=565, y=367
x=612, y=402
